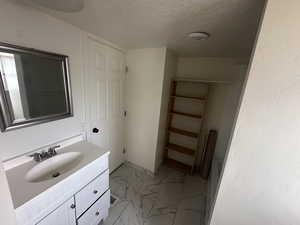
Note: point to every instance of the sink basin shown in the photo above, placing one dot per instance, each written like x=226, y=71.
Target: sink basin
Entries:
x=53, y=167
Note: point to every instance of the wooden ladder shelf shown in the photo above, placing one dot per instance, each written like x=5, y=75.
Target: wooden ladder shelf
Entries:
x=189, y=152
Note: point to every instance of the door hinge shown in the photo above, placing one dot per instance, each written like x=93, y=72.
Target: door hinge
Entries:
x=124, y=150
x=125, y=113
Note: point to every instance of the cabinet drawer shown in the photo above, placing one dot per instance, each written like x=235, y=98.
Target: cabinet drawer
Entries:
x=97, y=212
x=90, y=193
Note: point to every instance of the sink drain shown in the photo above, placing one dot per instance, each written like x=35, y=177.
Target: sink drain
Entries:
x=56, y=174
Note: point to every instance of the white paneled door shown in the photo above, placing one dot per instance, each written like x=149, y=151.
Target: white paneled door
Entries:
x=104, y=97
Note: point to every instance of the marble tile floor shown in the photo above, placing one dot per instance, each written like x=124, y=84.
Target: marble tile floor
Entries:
x=169, y=198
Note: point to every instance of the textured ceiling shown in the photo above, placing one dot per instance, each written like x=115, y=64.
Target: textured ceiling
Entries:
x=155, y=23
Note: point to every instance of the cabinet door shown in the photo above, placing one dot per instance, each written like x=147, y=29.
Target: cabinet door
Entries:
x=97, y=212
x=63, y=215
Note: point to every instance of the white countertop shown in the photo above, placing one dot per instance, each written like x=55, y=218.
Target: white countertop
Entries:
x=22, y=191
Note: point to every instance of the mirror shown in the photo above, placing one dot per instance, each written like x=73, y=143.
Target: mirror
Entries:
x=34, y=87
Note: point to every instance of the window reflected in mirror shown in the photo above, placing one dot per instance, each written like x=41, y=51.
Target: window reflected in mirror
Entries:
x=35, y=86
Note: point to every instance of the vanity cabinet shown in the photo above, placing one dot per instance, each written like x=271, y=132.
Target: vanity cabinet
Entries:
x=92, y=204
x=63, y=215
x=79, y=196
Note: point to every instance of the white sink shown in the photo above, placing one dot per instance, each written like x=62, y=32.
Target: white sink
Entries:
x=53, y=167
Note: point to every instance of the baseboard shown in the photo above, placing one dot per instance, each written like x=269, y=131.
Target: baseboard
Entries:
x=139, y=168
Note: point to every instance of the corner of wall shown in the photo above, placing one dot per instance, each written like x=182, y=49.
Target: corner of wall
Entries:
x=170, y=68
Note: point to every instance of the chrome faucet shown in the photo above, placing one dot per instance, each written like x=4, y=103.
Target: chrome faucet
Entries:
x=40, y=156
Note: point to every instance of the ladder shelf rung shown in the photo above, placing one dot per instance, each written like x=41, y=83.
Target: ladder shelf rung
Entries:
x=183, y=132
x=187, y=114
x=178, y=165
x=181, y=149
x=189, y=97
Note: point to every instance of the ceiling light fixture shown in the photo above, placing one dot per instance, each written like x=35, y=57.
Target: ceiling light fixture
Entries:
x=61, y=5
x=199, y=35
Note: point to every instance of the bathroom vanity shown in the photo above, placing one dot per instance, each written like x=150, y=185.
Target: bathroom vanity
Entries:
x=69, y=188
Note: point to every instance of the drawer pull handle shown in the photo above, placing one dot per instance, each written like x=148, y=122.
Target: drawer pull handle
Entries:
x=95, y=191
x=73, y=206
x=97, y=213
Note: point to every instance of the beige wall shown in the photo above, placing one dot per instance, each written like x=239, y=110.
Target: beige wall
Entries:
x=261, y=184
x=143, y=92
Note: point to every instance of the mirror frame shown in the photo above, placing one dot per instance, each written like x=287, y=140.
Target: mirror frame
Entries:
x=6, y=123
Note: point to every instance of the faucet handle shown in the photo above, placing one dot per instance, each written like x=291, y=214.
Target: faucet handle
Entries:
x=36, y=156
x=44, y=155
x=52, y=150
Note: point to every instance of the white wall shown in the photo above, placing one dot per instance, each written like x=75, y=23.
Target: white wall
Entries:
x=143, y=92
x=27, y=27
x=211, y=69
x=170, y=72
x=260, y=183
